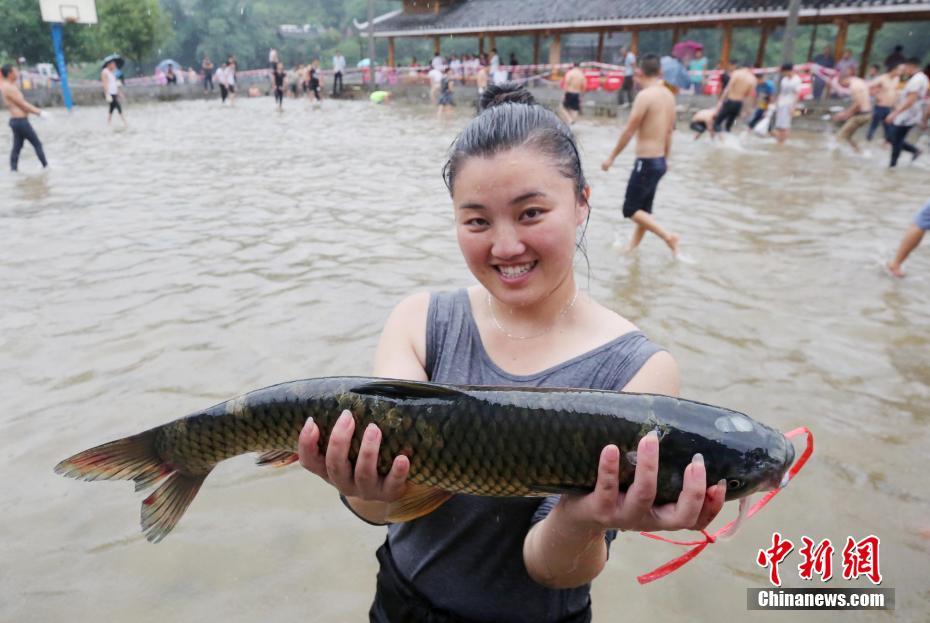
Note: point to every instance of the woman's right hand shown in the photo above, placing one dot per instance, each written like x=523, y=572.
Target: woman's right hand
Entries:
x=362, y=482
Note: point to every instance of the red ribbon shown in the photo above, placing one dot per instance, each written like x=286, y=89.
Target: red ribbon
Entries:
x=698, y=546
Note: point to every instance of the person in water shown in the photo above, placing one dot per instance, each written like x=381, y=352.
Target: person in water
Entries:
x=652, y=121
x=446, y=102
x=20, y=110
x=279, y=83
x=911, y=240
x=520, y=202
x=313, y=80
x=111, y=91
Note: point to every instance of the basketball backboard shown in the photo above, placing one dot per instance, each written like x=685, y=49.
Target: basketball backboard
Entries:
x=69, y=11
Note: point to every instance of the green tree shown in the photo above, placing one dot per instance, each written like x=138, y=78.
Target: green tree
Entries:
x=24, y=34
x=134, y=28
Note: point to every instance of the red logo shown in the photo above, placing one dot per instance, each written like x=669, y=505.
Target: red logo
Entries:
x=861, y=558
x=773, y=556
x=817, y=559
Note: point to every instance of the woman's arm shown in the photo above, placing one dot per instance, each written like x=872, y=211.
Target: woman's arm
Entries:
x=567, y=549
x=401, y=354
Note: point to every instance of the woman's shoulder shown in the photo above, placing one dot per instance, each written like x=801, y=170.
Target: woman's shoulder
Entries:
x=607, y=323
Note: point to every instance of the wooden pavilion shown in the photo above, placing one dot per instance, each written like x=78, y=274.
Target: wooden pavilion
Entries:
x=487, y=19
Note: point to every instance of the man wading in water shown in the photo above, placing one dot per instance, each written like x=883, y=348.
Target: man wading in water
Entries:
x=20, y=110
x=652, y=120
x=571, y=101
x=741, y=88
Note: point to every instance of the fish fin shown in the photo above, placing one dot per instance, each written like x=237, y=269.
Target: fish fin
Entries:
x=405, y=389
x=559, y=489
x=276, y=458
x=165, y=506
x=131, y=458
x=418, y=501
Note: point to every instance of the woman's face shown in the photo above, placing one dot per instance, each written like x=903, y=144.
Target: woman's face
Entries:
x=516, y=218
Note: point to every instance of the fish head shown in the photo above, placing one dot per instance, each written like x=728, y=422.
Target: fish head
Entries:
x=753, y=457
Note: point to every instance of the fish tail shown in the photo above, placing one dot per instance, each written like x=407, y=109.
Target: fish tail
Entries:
x=165, y=506
x=136, y=458
x=131, y=458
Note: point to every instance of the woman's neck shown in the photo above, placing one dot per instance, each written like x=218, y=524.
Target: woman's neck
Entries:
x=537, y=319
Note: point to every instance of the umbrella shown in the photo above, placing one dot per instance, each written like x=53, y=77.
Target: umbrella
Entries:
x=363, y=63
x=114, y=57
x=686, y=48
x=163, y=66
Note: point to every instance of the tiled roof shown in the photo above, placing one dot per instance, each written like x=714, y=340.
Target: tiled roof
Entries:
x=492, y=15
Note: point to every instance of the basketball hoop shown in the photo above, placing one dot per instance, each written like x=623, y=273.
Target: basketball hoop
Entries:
x=69, y=11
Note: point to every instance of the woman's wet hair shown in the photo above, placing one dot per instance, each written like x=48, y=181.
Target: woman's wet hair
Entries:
x=510, y=118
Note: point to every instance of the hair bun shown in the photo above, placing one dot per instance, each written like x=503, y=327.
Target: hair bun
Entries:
x=507, y=92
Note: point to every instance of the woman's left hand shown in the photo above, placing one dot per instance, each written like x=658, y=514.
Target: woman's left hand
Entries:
x=608, y=508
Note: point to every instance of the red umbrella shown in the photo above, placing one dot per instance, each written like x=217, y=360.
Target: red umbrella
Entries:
x=686, y=48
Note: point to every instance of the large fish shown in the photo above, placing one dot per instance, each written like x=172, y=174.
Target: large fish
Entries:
x=493, y=441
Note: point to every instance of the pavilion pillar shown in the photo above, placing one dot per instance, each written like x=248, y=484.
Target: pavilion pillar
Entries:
x=634, y=42
x=874, y=25
x=727, y=44
x=536, y=48
x=810, y=48
x=840, y=44
x=763, y=39
x=436, y=45
x=600, y=46
x=555, y=53
x=390, y=52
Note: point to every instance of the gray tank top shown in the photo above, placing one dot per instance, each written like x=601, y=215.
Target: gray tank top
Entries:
x=467, y=556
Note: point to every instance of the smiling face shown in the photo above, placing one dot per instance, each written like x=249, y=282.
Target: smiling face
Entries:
x=516, y=221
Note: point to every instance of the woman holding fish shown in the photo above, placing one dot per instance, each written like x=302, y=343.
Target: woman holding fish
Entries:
x=521, y=204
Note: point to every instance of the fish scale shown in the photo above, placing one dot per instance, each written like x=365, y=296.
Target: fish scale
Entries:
x=491, y=441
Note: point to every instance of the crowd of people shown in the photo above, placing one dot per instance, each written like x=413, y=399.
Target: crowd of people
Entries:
x=888, y=104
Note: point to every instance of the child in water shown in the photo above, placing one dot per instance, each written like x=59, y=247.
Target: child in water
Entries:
x=520, y=201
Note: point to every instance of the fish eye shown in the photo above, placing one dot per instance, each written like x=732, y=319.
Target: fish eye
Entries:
x=733, y=483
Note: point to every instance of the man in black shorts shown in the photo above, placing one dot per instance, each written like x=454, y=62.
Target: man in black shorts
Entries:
x=571, y=101
x=652, y=121
x=741, y=88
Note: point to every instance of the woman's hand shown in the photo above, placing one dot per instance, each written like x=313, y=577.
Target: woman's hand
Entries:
x=363, y=482
x=608, y=508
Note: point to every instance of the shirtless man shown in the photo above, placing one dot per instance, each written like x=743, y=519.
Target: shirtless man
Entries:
x=20, y=110
x=571, y=101
x=481, y=80
x=859, y=111
x=885, y=90
x=702, y=121
x=652, y=120
x=741, y=88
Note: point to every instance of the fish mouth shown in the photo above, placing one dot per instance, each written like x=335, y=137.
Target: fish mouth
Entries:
x=782, y=476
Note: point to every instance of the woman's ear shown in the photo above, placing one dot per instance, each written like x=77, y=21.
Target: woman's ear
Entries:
x=583, y=207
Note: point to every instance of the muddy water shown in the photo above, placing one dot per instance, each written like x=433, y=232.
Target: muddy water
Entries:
x=207, y=251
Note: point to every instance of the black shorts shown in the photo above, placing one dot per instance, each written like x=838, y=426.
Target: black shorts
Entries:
x=572, y=101
x=728, y=114
x=641, y=189
x=114, y=105
x=699, y=126
x=232, y=88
